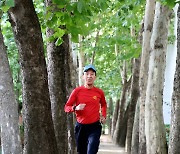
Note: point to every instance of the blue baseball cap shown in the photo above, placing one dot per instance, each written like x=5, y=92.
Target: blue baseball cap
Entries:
x=88, y=67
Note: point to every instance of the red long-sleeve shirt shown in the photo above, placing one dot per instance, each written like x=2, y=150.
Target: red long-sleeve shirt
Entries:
x=95, y=102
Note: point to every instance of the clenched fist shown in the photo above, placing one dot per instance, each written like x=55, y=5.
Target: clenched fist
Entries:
x=80, y=107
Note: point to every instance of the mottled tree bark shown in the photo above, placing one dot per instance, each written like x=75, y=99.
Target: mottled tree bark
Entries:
x=135, y=134
x=114, y=117
x=148, y=25
x=154, y=123
x=60, y=85
x=174, y=140
x=109, y=116
x=118, y=136
x=71, y=77
x=10, y=135
x=123, y=128
x=57, y=90
x=81, y=60
x=39, y=136
x=133, y=101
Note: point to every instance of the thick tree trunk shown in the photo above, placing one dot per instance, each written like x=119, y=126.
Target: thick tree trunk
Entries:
x=72, y=62
x=133, y=101
x=135, y=134
x=154, y=123
x=119, y=124
x=71, y=82
x=123, y=128
x=57, y=89
x=174, y=141
x=38, y=125
x=148, y=25
x=71, y=77
x=57, y=86
x=10, y=135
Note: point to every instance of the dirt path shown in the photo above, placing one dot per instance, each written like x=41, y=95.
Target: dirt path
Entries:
x=107, y=147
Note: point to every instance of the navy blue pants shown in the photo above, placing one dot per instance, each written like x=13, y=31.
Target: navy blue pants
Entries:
x=88, y=137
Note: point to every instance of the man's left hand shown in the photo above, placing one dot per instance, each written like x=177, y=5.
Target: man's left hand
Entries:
x=103, y=120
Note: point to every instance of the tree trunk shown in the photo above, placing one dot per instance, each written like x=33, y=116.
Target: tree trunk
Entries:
x=10, y=134
x=0, y=139
x=109, y=116
x=115, y=117
x=154, y=123
x=38, y=125
x=133, y=101
x=174, y=140
x=135, y=134
x=122, y=109
x=148, y=25
x=95, y=46
x=57, y=86
x=71, y=77
x=81, y=60
x=57, y=89
x=123, y=128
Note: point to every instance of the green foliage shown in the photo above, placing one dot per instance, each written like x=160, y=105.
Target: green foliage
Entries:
x=171, y=36
x=171, y=39
x=71, y=17
x=170, y=3
x=114, y=20
x=6, y=4
x=115, y=25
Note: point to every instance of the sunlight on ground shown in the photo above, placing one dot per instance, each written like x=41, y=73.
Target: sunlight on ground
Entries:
x=110, y=151
x=107, y=147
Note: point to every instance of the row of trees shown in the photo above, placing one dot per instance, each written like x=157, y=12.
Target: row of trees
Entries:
x=148, y=135
x=54, y=40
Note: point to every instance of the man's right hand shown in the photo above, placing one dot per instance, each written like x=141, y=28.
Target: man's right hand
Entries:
x=80, y=107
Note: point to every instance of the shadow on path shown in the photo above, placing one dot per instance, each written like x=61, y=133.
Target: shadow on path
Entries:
x=107, y=147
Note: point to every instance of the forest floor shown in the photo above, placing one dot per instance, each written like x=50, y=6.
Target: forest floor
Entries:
x=107, y=147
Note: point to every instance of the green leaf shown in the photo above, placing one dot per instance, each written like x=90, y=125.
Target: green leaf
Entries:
x=60, y=2
x=51, y=38
x=89, y=12
x=74, y=38
x=58, y=41
x=104, y=6
x=9, y=3
x=74, y=30
x=59, y=32
x=1, y=2
x=69, y=8
x=52, y=21
x=80, y=6
x=67, y=19
x=171, y=3
x=5, y=8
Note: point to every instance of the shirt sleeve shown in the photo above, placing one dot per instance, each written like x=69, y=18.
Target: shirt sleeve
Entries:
x=103, y=105
x=69, y=106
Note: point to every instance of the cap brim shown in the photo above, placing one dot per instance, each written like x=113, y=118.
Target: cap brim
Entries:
x=89, y=69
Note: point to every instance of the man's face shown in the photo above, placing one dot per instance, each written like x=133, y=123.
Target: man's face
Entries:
x=89, y=77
